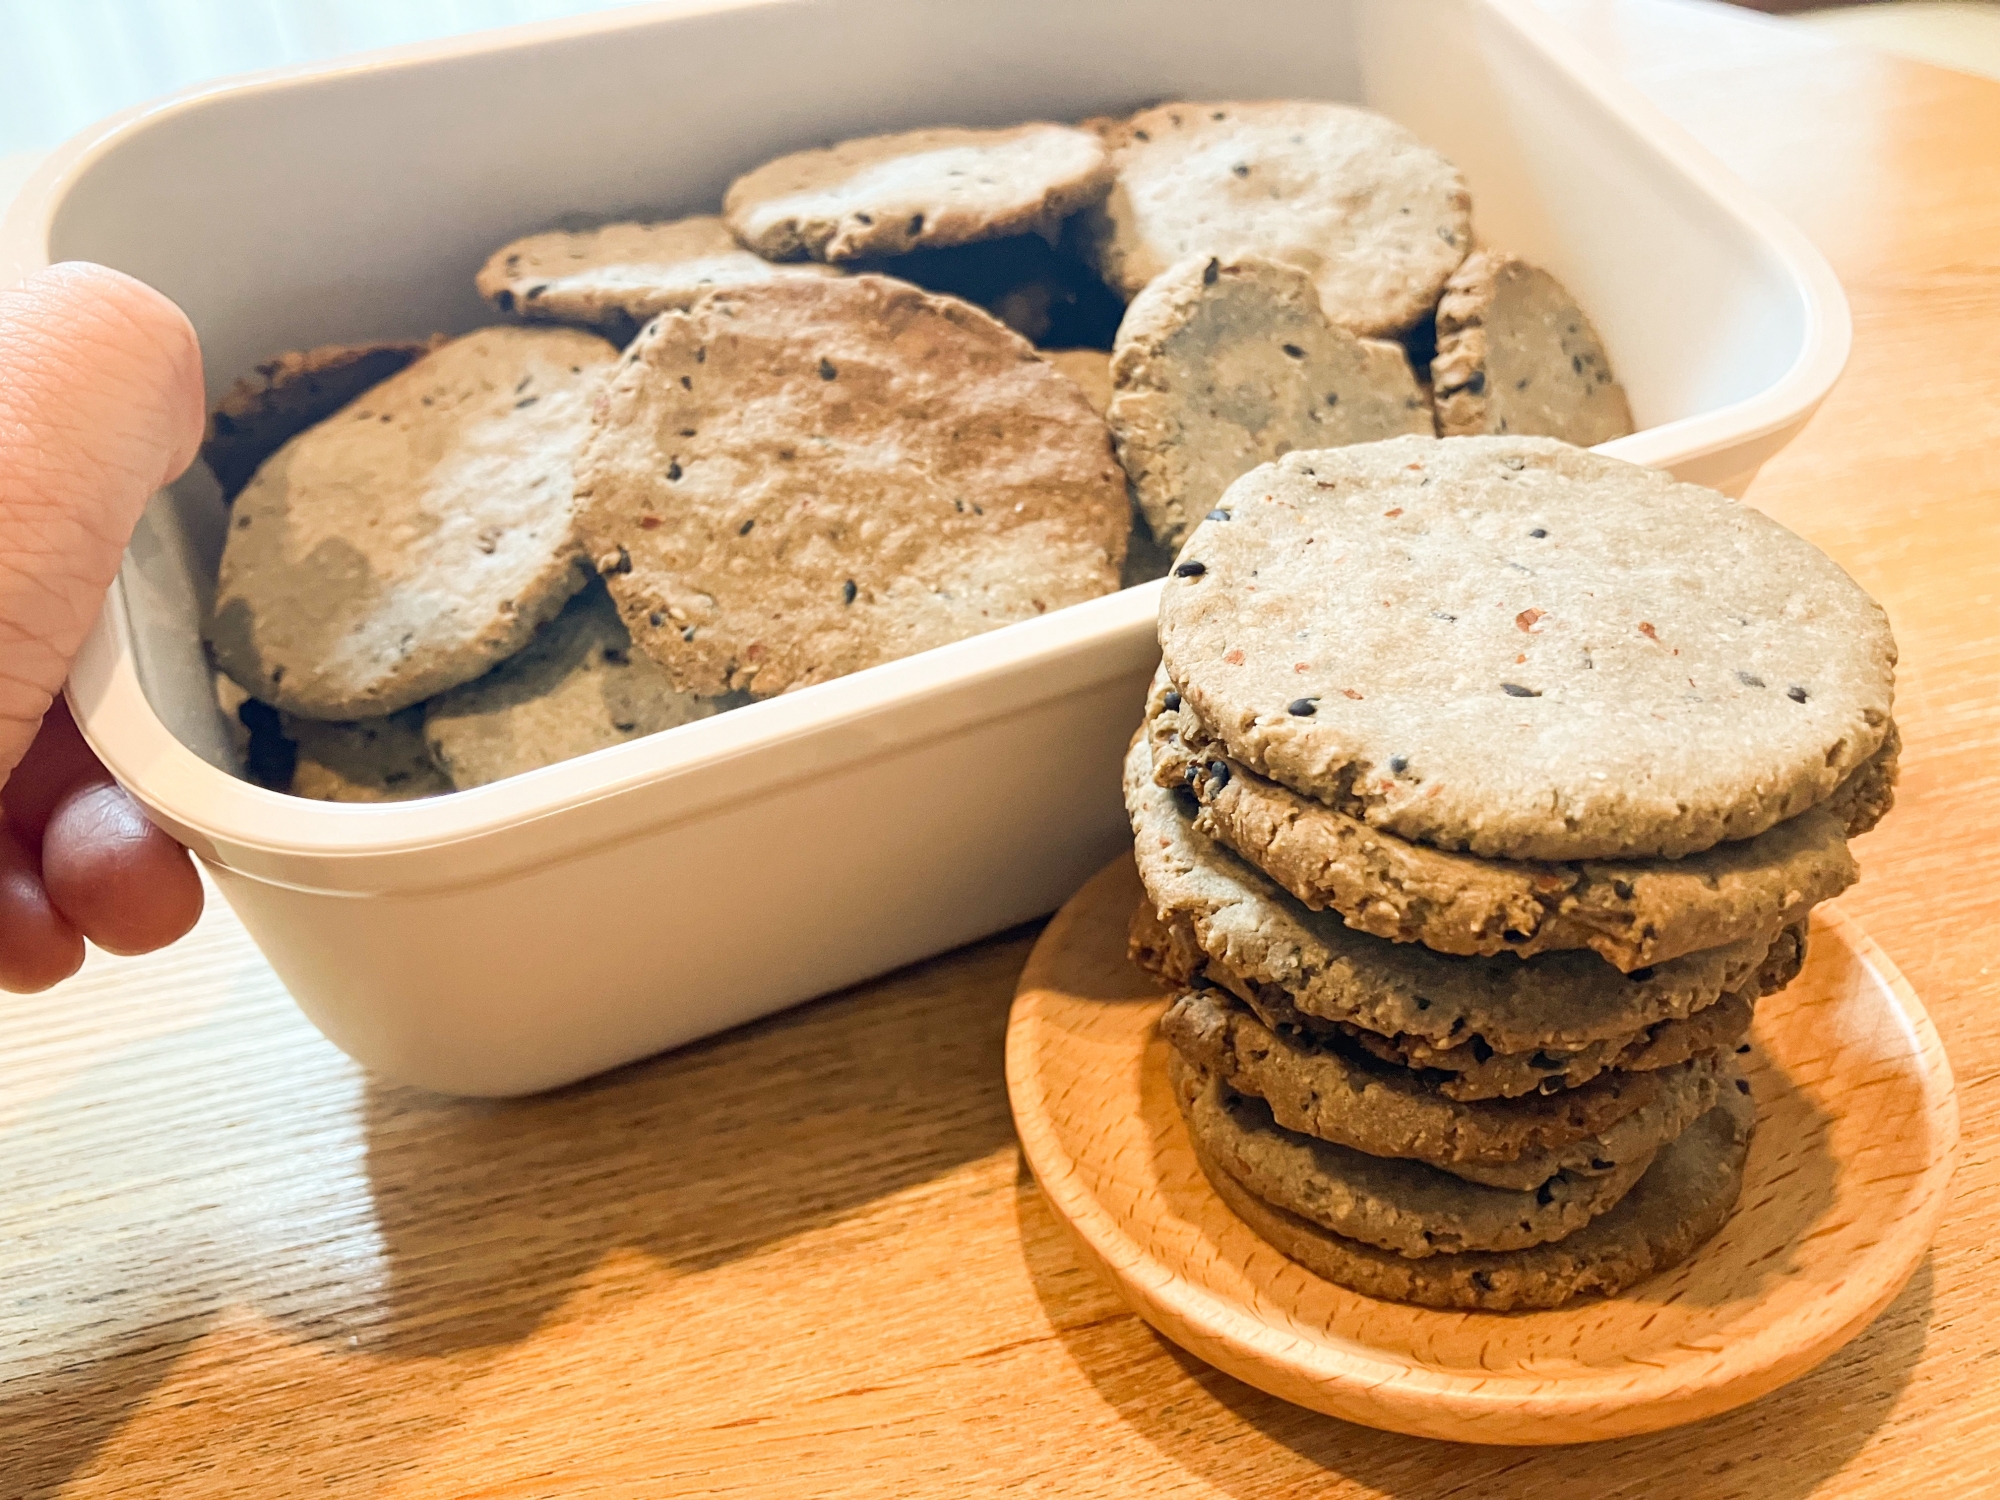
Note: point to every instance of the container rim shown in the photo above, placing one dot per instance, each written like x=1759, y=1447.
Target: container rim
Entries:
x=218, y=812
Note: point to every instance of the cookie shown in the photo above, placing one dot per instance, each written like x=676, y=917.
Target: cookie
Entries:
x=285, y=396
x=1325, y=1091
x=1683, y=1199
x=578, y=686
x=1090, y=369
x=1223, y=363
x=1402, y=1206
x=795, y=481
x=1865, y=798
x=372, y=760
x=1515, y=354
x=1524, y=650
x=618, y=276
x=417, y=537
x=1375, y=216
x=1561, y=1001
x=1471, y=1070
x=887, y=194
x=1632, y=913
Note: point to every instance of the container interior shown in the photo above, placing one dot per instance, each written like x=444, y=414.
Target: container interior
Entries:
x=356, y=202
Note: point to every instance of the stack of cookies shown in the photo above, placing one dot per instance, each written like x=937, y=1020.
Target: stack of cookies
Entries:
x=1486, y=785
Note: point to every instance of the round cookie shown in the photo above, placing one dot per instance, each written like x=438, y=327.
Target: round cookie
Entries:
x=618, y=276
x=578, y=686
x=1225, y=363
x=1378, y=218
x=1397, y=1205
x=795, y=481
x=1515, y=354
x=1322, y=1091
x=1241, y=921
x=286, y=395
x=887, y=194
x=418, y=536
x=369, y=760
x=1632, y=913
x=1683, y=1199
x=1525, y=650
x=1472, y=1071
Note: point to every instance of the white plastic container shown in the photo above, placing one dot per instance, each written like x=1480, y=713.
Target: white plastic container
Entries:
x=515, y=937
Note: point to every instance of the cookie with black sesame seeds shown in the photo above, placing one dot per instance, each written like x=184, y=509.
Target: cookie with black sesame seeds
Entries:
x=368, y=760
x=1681, y=1200
x=1259, y=936
x=1334, y=1093
x=798, y=480
x=1392, y=1203
x=1225, y=362
x=1525, y=650
x=418, y=536
x=578, y=686
x=1631, y=912
x=890, y=194
x=618, y=276
x=1515, y=354
x=286, y=395
x=1376, y=217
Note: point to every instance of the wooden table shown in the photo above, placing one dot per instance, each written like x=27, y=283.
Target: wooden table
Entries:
x=804, y=1259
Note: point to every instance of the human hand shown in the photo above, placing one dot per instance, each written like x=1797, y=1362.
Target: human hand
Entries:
x=100, y=404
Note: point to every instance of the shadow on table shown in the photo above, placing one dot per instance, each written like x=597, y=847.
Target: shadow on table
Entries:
x=273, y=1295
x=491, y=1212
x=1782, y=1447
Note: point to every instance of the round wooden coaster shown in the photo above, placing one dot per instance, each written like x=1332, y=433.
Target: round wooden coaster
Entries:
x=1857, y=1125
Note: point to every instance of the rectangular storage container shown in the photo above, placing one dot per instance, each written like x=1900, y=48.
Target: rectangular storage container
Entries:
x=524, y=934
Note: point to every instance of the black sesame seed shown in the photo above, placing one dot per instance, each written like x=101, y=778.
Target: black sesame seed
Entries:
x=1599, y=1164
x=1749, y=679
x=826, y=370
x=1515, y=690
x=505, y=301
x=657, y=619
x=1622, y=889
x=848, y=591
x=1293, y=350
x=688, y=634
x=744, y=529
x=1742, y=1085
x=524, y=401
x=1303, y=708
x=1172, y=701
x=1398, y=764
x=1742, y=1049
x=1218, y=774
x=1196, y=569
x=1796, y=693
x=1333, y=398
x=1422, y=1003
x=673, y=468
x=1241, y=169
x=1210, y=271
x=1539, y=532
x=1481, y=1279
x=1477, y=384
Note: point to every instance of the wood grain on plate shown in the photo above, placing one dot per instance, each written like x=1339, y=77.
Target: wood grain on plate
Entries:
x=1857, y=1124
x=234, y=1267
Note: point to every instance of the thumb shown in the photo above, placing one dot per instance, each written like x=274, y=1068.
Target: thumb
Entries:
x=100, y=404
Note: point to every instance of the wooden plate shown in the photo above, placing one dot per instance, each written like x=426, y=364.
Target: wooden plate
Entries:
x=1846, y=1179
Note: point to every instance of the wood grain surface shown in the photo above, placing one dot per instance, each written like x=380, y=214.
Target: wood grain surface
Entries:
x=804, y=1259
x=1856, y=1123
